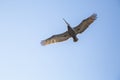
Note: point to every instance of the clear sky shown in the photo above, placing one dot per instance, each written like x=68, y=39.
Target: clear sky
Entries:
x=24, y=23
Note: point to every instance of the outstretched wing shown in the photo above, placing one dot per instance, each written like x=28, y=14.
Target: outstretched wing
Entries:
x=56, y=38
x=85, y=23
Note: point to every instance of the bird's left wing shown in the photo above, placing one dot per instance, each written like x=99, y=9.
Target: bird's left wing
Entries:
x=85, y=23
x=56, y=38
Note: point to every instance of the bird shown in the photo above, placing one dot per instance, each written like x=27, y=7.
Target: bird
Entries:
x=71, y=32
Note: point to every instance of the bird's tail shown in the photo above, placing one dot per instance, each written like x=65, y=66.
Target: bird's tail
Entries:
x=75, y=39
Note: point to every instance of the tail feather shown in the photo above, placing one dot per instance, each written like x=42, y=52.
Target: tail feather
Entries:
x=75, y=39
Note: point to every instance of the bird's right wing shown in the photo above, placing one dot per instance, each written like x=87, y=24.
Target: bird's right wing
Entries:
x=56, y=38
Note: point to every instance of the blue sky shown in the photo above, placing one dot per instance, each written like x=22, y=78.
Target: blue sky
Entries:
x=24, y=23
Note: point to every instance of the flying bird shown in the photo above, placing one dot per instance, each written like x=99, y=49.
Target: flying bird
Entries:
x=71, y=32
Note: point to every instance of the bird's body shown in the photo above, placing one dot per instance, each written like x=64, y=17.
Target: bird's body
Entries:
x=71, y=32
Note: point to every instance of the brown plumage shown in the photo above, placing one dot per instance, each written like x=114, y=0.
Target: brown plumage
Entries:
x=71, y=32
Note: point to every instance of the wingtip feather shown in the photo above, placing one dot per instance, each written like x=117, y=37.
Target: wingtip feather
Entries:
x=43, y=43
x=94, y=16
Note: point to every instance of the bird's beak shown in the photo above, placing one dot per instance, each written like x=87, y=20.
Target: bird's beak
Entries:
x=66, y=22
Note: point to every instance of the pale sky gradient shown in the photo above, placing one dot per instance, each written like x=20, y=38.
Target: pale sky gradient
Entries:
x=24, y=23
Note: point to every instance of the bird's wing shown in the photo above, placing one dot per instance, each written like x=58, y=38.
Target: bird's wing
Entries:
x=56, y=38
x=85, y=23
